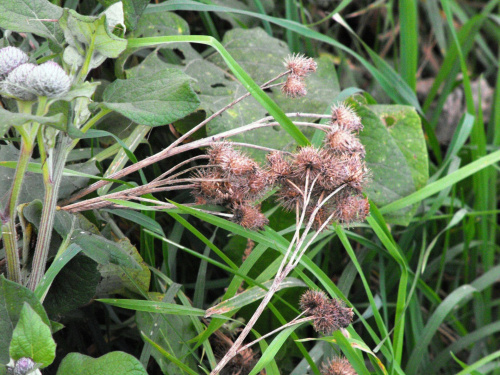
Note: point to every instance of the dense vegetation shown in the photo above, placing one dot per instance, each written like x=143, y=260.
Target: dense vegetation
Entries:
x=180, y=178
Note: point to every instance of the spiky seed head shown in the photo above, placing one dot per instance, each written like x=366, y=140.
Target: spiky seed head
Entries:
x=219, y=152
x=356, y=172
x=278, y=167
x=49, y=80
x=258, y=183
x=343, y=141
x=312, y=300
x=23, y=366
x=294, y=87
x=248, y=216
x=332, y=316
x=337, y=366
x=11, y=58
x=334, y=174
x=351, y=209
x=209, y=186
x=346, y=118
x=309, y=160
x=16, y=82
x=289, y=196
x=300, y=65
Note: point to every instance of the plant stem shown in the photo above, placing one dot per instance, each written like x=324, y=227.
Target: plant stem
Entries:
x=9, y=233
x=52, y=184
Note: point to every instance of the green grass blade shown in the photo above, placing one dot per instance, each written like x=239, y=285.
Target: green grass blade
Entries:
x=408, y=49
x=442, y=183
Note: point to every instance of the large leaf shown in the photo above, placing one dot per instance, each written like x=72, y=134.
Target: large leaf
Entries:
x=32, y=182
x=114, y=363
x=161, y=24
x=12, y=298
x=395, y=154
x=23, y=16
x=32, y=338
x=152, y=99
x=83, y=31
x=82, y=232
x=132, y=8
x=122, y=280
x=74, y=286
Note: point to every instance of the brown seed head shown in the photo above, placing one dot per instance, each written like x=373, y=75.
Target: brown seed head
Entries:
x=239, y=165
x=249, y=217
x=278, y=167
x=357, y=174
x=337, y=366
x=332, y=316
x=294, y=87
x=312, y=300
x=343, y=141
x=300, y=65
x=346, y=118
x=219, y=152
x=351, y=208
x=209, y=186
x=308, y=159
x=288, y=196
x=258, y=183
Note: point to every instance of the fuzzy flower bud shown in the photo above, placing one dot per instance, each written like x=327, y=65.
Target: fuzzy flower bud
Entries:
x=49, y=80
x=24, y=366
x=15, y=83
x=294, y=87
x=337, y=366
x=11, y=58
x=300, y=65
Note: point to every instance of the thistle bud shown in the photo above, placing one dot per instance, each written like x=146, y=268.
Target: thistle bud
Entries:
x=49, y=80
x=346, y=118
x=15, y=83
x=11, y=58
x=337, y=366
x=300, y=65
x=24, y=366
x=294, y=87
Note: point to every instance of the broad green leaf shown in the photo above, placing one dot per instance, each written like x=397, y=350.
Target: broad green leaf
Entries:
x=152, y=99
x=32, y=338
x=83, y=31
x=85, y=89
x=74, y=286
x=82, y=232
x=170, y=331
x=395, y=154
x=23, y=16
x=14, y=119
x=251, y=295
x=12, y=298
x=114, y=363
x=161, y=24
x=32, y=182
x=132, y=8
x=123, y=280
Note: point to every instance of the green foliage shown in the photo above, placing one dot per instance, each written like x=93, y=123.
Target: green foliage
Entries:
x=112, y=363
x=32, y=338
x=419, y=274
